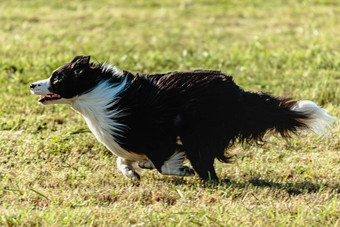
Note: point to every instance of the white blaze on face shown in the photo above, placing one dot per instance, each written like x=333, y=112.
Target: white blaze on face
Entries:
x=41, y=87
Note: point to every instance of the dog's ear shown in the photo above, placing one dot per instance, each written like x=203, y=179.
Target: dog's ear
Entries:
x=80, y=61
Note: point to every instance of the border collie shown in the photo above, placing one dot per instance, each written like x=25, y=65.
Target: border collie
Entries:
x=156, y=121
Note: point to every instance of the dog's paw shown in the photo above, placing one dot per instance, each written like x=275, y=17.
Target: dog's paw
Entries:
x=146, y=164
x=187, y=171
x=131, y=174
x=183, y=171
x=126, y=167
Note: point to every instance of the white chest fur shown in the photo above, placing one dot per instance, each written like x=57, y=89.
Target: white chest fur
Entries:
x=95, y=107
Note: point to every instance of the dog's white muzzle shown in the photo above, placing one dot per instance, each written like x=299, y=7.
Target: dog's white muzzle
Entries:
x=41, y=87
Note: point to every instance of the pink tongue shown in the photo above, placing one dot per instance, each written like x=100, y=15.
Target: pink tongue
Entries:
x=49, y=96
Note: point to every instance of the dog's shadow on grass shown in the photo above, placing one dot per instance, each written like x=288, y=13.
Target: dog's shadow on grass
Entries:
x=292, y=188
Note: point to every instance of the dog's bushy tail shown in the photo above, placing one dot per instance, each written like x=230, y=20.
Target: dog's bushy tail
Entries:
x=261, y=113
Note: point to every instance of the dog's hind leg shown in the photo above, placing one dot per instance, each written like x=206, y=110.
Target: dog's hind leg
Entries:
x=125, y=166
x=202, y=153
x=203, y=165
x=172, y=164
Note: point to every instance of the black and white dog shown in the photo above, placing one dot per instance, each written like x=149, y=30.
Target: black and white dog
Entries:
x=156, y=121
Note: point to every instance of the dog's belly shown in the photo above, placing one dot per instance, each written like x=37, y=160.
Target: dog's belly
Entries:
x=107, y=139
x=114, y=147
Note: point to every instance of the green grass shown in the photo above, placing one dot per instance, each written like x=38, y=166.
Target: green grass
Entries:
x=54, y=173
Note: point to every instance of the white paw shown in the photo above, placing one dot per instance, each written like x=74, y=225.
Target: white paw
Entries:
x=125, y=166
x=131, y=174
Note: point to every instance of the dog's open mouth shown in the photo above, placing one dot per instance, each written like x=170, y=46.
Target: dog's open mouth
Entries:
x=49, y=97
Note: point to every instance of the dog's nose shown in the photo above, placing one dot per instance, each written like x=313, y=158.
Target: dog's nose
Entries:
x=33, y=86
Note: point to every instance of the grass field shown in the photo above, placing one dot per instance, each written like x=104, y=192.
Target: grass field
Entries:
x=54, y=173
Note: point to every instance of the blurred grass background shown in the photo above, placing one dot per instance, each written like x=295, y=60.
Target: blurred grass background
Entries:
x=53, y=172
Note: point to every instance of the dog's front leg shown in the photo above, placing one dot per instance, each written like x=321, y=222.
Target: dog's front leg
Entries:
x=125, y=166
x=146, y=164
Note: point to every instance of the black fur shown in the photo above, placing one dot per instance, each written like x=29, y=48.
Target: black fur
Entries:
x=205, y=109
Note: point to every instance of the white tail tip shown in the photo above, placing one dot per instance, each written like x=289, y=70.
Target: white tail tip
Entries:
x=318, y=121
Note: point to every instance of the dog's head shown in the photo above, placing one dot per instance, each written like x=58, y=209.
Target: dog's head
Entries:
x=66, y=82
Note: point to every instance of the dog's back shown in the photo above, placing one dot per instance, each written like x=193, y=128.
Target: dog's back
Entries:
x=208, y=112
